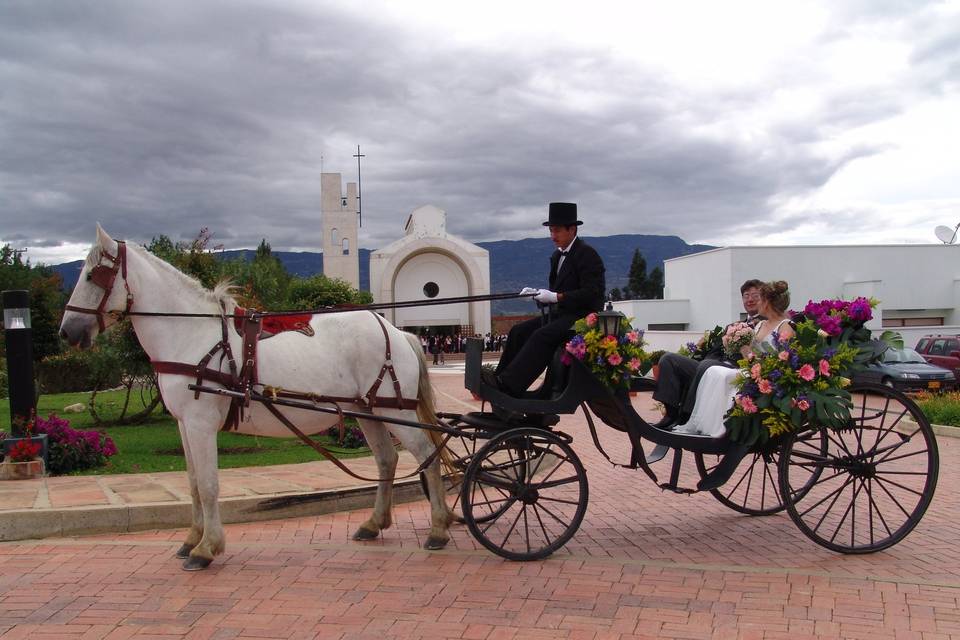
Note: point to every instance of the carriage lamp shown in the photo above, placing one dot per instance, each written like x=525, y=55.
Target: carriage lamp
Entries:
x=610, y=320
x=19, y=339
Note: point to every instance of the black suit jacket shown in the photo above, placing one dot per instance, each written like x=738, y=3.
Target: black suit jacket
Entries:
x=581, y=280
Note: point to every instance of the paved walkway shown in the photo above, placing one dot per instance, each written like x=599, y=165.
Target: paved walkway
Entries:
x=643, y=564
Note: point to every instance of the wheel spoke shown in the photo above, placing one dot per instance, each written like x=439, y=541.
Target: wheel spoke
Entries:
x=835, y=494
x=543, y=528
x=891, y=496
x=897, y=484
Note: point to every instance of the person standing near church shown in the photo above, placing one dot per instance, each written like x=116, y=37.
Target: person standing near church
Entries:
x=576, y=289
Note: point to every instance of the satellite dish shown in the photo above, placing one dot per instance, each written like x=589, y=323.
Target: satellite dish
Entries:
x=946, y=235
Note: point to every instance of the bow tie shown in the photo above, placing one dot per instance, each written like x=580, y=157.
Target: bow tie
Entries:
x=563, y=253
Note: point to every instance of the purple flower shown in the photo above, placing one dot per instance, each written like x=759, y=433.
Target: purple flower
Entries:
x=860, y=310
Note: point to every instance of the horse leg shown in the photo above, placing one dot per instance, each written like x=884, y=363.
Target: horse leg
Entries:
x=203, y=449
x=386, y=457
x=195, y=533
x=418, y=442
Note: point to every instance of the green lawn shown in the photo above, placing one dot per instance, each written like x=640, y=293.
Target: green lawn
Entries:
x=155, y=445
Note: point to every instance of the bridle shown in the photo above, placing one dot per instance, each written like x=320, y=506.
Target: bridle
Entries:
x=104, y=276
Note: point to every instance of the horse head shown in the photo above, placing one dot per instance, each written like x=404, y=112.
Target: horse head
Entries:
x=96, y=301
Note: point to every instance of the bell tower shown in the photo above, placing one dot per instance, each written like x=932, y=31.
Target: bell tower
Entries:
x=341, y=255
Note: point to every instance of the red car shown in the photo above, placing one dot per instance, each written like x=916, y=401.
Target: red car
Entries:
x=943, y=351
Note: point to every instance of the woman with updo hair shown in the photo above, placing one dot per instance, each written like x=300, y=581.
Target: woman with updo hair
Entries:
x=717, y=388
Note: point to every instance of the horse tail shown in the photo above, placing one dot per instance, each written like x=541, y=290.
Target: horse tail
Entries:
x=426, y=406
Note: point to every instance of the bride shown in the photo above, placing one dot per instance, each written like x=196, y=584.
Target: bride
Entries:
x=716, y=391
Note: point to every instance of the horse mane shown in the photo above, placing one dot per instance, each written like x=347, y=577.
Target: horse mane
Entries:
x=222, y=292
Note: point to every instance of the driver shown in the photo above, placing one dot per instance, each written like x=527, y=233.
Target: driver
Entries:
x=576, y=289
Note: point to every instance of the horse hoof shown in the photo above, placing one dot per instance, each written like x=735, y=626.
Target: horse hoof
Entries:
x=365, y=534
x=196, y=563
x=184, y=551
x=435, y=544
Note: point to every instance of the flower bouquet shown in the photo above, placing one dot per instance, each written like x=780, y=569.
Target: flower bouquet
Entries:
x=710, y=343
x=736, y=336
x=791, y=383
x=613, y=361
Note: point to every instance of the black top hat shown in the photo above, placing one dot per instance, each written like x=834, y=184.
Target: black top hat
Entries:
x=562, y=214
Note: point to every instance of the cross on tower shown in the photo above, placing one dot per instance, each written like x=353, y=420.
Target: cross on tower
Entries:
x=359, y=155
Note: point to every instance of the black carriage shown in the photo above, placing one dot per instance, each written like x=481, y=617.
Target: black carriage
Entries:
x=522, y=491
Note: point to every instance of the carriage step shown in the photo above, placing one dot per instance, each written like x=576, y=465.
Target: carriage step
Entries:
x=666, y=486
x=659, y=453
x=493, y=422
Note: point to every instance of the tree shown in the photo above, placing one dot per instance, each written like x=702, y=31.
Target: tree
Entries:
x=320, y=291
x=639, y=285
x=636, y=277
x=654, y=288
x=263, y=281
x=616, y=294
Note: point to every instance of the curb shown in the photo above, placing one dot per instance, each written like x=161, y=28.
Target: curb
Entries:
x=29, y=524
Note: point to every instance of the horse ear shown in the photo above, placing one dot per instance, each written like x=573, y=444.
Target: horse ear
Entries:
x=105, y=241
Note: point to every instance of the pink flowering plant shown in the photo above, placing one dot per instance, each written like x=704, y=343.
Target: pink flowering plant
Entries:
x=793, y=383
x=612, y=360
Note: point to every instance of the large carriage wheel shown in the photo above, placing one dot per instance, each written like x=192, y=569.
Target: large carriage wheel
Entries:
x=524, y=494
x=754, y=488
x=462, y=448
x=875, y=481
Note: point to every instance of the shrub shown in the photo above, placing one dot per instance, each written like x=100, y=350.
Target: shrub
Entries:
x=941, y=408
x=72, y=450
x=68, y=372
x=3, y=378
x=352, y=437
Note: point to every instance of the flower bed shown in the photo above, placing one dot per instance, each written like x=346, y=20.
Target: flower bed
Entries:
x=72, y=450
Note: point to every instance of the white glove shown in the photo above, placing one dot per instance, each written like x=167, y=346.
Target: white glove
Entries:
x=528, y=291
x=545, y=296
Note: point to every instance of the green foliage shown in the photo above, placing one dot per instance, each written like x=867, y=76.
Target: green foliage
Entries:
x=941, y=408
x=194, y=258
x=70, y=371
x=639, y=284
x=4, y=384
x=46, y=300
x=320, y=291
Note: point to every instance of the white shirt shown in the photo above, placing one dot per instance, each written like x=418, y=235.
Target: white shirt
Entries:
x=563, y=253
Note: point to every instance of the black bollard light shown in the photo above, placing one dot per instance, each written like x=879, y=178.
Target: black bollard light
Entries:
x=19, y=338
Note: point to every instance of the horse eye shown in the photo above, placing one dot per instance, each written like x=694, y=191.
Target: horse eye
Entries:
x=89, y=276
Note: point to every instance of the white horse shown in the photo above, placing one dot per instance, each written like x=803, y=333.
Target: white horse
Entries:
x=342, y=359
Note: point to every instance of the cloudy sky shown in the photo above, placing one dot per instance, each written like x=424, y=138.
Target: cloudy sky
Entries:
x=720, y=122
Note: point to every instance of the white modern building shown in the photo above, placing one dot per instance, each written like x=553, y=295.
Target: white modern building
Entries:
x=918, y=285
x=430, y=263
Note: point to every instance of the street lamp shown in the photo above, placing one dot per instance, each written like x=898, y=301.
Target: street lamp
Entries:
x=19, y=338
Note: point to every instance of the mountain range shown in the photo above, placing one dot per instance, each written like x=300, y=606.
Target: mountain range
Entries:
x=514, y=264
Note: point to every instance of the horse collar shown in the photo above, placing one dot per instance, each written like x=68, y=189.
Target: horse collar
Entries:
x=105, y=276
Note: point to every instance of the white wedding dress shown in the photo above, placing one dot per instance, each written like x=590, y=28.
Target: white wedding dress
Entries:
x=715, y=396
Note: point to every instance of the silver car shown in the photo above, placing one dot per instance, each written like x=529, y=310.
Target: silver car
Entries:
x=905, y=369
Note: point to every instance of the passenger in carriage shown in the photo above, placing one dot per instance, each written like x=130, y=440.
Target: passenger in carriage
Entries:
x=680, y=375
x=576, y=289
x=716, y=391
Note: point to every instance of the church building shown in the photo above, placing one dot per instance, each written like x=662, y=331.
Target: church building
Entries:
x=429, y=263
x=341, y=255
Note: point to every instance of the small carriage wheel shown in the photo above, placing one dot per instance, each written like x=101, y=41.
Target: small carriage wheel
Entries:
x=754, y=488
x=461, y=448
x=524, y=494
x=876, y=479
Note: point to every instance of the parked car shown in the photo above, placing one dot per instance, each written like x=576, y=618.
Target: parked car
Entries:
x=905, y=369
x=943, y=351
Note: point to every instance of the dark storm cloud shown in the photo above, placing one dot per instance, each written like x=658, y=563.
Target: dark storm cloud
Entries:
x=165, y=117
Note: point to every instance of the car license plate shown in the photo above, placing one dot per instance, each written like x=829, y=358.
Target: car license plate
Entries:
x=933, y=384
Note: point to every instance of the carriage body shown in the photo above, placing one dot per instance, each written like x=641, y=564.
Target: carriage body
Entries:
x=857, y=489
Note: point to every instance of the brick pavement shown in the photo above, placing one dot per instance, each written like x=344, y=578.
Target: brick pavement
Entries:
x=643, y=564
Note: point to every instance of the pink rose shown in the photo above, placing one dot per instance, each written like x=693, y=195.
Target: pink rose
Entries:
x=765, y=386
x=634, y=364
x=592, y=320
x=803, y=405
x=746, y=403
x=755, y=371
x=615, y=359
x=633, y=337
x=824, y=368
x=807, y=373
x=784, y=355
